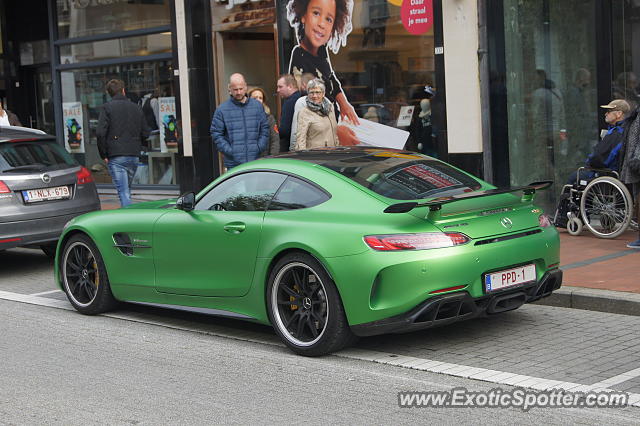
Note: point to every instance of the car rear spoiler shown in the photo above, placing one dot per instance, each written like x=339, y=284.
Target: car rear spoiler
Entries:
x=436, y=204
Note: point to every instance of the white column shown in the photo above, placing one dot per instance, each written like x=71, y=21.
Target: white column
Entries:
x=462, y=77
x=183, y=78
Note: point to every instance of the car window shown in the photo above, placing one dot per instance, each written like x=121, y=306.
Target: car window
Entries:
x=404, y=178
x=38, y=155
x=245, y=192
x=297, y=194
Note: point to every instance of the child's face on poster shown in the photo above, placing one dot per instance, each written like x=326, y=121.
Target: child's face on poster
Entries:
x=318, y=22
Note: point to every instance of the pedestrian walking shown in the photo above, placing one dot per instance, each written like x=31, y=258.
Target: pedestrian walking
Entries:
x=121, y=130
x=239, y=127
x=317, y=126
x=274, y=138
x=7, y=118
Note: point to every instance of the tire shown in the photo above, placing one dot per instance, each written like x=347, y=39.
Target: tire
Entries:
x=49, y=249
x=606, y=206
x=84, y=276
x=304, y=307
x=574, y=226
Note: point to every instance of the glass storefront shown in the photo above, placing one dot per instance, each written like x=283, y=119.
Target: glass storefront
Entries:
x=377, y=55
x=83, y=94
x=387, y=67
x=149, y=83
x=550, y=85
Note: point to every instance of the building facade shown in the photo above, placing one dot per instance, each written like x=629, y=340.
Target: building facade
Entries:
x=505, y=89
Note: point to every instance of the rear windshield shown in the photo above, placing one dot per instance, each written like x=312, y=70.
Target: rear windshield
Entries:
x=409, y=177
x=38, y=155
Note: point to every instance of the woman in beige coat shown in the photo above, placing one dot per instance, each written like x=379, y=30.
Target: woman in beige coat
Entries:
x=317, y=124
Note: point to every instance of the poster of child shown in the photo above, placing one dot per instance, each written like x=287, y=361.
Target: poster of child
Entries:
x=322, y=25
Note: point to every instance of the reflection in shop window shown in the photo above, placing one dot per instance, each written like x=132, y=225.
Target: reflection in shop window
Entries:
x=81, y=18
x=108, y=49
x=148, y=84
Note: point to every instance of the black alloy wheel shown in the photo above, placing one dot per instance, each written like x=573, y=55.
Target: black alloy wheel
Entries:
x=84, y=276
x=305, y=308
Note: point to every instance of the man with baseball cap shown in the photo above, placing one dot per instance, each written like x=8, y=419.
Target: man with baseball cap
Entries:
x=606, y=153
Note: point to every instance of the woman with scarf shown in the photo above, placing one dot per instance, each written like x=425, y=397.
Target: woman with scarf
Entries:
x=317, y=126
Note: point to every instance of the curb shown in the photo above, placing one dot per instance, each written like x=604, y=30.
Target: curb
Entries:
x=615, y=302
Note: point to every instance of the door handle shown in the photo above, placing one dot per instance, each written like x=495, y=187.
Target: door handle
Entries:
x=234, y=227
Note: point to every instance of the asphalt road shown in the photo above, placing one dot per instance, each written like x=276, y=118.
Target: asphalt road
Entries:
x=150, y=366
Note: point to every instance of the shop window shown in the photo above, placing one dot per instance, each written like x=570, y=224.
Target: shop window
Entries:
x=550, y=86
x=148, y=84
x=81, y=18
x=379, y=58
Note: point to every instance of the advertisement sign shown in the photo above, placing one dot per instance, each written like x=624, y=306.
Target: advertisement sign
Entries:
x=417, y=16
x=73, y=131
x=168, y=124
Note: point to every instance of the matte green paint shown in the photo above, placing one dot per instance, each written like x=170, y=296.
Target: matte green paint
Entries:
x=195, y=261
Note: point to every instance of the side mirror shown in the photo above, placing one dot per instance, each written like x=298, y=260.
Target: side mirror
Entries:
x=186, y=201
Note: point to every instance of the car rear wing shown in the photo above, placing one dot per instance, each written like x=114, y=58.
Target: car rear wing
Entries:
x=436, y=204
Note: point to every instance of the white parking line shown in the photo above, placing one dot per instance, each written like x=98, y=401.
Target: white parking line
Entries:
x=620, y=378
x=46, y=292
x=422, y=364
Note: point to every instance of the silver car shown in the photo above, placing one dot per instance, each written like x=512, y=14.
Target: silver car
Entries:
x=42, y=187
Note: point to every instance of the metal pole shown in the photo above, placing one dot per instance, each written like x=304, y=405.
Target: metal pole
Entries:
x=485, y=94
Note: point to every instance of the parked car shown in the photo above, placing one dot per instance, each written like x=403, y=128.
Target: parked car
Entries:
x=325, y=245
x=41, y=188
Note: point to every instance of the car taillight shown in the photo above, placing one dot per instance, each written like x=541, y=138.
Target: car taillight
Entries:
x=4, y=189
x=423, y=241
x=544, y=221
x=84, y=176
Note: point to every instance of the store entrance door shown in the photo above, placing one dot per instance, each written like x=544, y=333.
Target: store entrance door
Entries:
x=251, y=52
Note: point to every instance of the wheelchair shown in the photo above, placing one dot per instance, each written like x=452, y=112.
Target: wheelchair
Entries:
x=598, y=200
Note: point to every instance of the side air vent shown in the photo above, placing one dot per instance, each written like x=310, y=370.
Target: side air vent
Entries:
x=507, y=237
x=123, y=243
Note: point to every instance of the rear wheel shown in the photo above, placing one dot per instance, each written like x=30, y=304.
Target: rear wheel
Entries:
x=606, y=207
x=305, y=308
x=84, y=276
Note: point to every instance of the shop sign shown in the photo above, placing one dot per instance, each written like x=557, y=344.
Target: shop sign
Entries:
x=73, y=132
x=168, y=124
x=417, y=15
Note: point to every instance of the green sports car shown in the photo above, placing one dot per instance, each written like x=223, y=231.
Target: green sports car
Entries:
x=325, y=245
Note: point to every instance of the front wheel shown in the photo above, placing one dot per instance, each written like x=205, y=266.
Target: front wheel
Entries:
x=305, y=308
x=84, y=276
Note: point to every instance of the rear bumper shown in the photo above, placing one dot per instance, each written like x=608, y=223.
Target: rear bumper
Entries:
x=453, y=307
x=35, y=231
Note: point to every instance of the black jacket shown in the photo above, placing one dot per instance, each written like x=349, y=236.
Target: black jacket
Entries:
x=121, y=128
x=286, y=118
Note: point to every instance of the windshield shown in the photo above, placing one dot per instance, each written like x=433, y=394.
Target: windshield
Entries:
x=37, y=155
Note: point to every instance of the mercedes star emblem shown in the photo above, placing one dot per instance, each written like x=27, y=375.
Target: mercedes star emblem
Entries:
x=506, y=222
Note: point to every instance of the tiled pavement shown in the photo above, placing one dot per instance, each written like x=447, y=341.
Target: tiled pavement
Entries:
x=561, y=344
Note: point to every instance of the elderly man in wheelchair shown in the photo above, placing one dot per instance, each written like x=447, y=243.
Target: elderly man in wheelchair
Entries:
x=594, y=196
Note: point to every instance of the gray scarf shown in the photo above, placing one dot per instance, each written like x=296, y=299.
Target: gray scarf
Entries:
x=323, y=108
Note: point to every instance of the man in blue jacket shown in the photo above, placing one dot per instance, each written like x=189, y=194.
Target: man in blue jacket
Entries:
x=239, y=127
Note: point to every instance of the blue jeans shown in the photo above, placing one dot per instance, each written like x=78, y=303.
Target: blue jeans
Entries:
x=122, y=170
